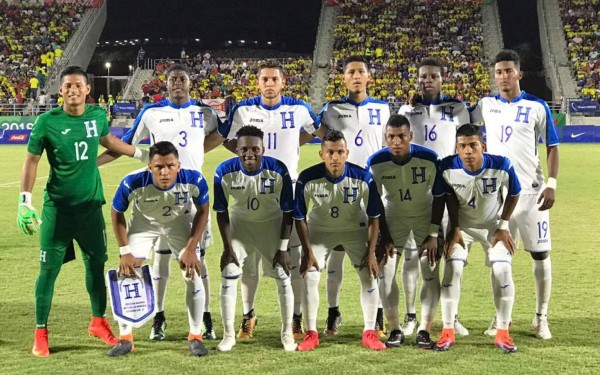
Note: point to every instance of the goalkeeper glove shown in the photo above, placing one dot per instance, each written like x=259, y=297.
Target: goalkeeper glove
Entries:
x=27, y=217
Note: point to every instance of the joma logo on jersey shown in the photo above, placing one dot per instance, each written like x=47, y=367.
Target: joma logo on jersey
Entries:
x=238, y=187
x=493, y=110
x=256, y=120
x=166, y=120
x=415, y=113
x=458, y=186
x=344, y=116
x=489, y=185
x=388, y=177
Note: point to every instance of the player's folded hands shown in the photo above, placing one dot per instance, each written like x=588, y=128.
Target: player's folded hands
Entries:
x=28, y=219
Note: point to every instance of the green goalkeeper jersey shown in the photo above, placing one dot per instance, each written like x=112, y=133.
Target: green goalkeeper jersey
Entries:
x=71, y=144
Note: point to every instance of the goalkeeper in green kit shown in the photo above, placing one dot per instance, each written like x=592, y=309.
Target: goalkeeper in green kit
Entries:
x=73, y=199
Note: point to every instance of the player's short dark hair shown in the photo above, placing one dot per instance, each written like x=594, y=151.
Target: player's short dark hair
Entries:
x=359, y=59
x=74, y=70
x=333, y=136
x=468, y=130
x=177, y=67
x=508, y=55
x=397, y=121
x=249, y=131
x=270, y=64
x=163, y=148
x=430, y=61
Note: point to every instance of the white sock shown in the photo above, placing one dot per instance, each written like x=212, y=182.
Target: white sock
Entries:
x=410, y=276
x=542, y=272
x=125, y=329
x=228, y=296
x=335, y=274
x=249, y=288
x=430, y=293
x=310, y=301
x=504, y=293
x=206, y=283
x=450, y=291
x=369, y=296
x=286, y=303
x=161, y=270
x=389, y=294
x=297, y=281
x=194, y=300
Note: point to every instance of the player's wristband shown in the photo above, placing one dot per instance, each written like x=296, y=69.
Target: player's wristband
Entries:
x=140, y=155
x=283, y=244
x=551, y=183
x=25, y=197
x=124, y=250
x=503, y=224
x=434, y=229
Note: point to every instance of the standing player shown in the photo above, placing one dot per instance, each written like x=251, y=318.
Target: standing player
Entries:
x=413, y=198
x=192, y=127
x=73, y=200
x=282, y=120
x=476, y=185
x=336, y=221
x=171, y=203
x=514, y=122
x=257, y=191
x=361, y=119
x=434, y=118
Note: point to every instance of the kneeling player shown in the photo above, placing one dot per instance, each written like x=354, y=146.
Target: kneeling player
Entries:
x=475, y=184
x=413, y=198
x=257, y=221
x=336, y=221
x=169, y=203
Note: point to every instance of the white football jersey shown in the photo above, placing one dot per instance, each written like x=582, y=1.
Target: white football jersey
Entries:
x=185, y=126
x=434, y=123
x=363, y=125
x=513, y=130
x=281, y=125
x=257, y=197
x=407, y=189
x=336, y=204
x=161, y=206
x=480, y=194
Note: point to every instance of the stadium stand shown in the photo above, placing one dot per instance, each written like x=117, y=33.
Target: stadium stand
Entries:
x=582, y=31
x=394, y=35
x=32, y=39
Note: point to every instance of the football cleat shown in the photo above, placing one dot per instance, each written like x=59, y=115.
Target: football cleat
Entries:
x=196, y=346
x=226, y=344
x=298, y=327
x=541, y=327
x=311, y=341
x=379, y=326
x=423, y=340
x=332, y=324
x=395, y=339
x=459, y=329
x=446, y=340
x=40, y=343
x=410, y=325
x=208, y=333
x=491, y=331
x=100, y=328
x=158, y=328
x=371, y=341
x=247, y=325
x=122, y=348
x=287, y=339
x=504, y=342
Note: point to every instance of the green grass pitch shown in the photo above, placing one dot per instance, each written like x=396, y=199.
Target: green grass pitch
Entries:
x=574, y=318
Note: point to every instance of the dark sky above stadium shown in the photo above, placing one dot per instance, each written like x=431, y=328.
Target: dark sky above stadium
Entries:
x=293, y=22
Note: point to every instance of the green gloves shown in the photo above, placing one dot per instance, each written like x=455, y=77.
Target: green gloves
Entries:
x=27, y=217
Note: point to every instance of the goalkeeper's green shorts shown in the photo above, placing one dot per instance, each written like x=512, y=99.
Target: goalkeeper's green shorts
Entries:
x=60, y=227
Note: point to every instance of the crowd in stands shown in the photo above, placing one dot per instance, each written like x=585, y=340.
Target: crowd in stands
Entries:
x=32, y=38
x=394, y=35
x=216, y=77
x=581, y=20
